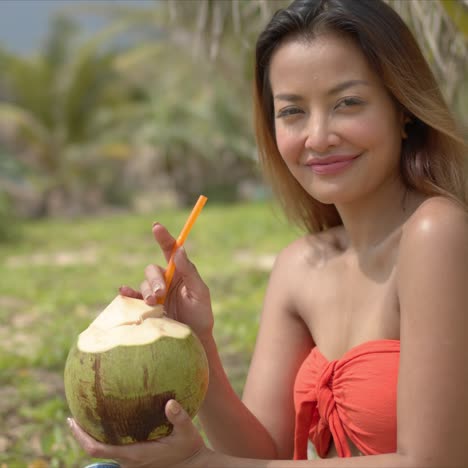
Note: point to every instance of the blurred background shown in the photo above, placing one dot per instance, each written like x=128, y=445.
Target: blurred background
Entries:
x=115, y=113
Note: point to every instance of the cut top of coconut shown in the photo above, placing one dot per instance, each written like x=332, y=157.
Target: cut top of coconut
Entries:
x=125, y=310
x=129, y=322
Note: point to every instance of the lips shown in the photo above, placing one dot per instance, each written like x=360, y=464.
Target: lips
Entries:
x=331, y=164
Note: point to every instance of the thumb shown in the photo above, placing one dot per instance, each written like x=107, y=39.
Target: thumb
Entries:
x=177, y=416
x=188, y=271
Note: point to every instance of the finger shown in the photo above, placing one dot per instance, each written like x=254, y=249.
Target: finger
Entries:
x=178, y=417
x=154, y=285
x=127, y=291
x=155, y=278
x=164, y=239
x=189, y=273
x=91, y=446
x=147, y=293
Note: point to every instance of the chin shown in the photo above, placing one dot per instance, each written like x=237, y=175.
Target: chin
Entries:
x=333, y=197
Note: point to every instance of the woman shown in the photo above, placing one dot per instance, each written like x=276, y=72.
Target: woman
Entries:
x=361, y=346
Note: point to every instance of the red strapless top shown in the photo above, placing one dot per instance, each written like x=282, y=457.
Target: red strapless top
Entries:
x=349, y=398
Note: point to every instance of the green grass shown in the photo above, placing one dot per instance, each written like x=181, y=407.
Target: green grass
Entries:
x=59, y=274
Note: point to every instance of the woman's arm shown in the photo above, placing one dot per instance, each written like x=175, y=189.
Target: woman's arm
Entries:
x=433, y=294
x=262, y=425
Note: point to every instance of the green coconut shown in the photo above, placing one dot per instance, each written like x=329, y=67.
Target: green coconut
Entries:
x=126, y=366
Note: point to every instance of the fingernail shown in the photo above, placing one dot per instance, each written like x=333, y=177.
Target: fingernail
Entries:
x=174, y=407
x=149, y=299
x=156, y=288
x=70, y=422
x=156, y=223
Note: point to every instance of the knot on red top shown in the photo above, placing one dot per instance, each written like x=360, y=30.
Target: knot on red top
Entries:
x=348, y=399
x=325, y=398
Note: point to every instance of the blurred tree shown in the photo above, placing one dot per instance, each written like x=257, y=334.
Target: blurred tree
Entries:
x=197, y=115
x=58, y=116
x=200, y=132
x=441, y=27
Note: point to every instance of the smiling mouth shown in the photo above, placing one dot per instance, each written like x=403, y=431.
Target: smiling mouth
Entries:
x=332, y=165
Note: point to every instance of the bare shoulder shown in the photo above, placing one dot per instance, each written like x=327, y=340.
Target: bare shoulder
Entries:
x=435, y=220
x=434, y=241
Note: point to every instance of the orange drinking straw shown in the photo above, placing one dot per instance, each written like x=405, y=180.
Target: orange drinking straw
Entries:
x=180, y=241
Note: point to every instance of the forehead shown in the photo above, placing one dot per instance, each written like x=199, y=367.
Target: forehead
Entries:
x=319, y=62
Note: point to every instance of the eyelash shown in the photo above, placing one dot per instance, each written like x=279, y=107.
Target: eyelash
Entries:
x=288, y=111
x=346, y=102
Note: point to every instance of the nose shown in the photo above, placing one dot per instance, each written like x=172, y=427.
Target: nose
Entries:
x=320, y=135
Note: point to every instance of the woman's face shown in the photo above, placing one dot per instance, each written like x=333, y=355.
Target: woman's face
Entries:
x=337, y=128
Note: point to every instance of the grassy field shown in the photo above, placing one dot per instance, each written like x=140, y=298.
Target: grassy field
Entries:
x=58, y=275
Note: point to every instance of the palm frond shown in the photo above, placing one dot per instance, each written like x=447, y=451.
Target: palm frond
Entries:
x=15, y=120
x=444, y=45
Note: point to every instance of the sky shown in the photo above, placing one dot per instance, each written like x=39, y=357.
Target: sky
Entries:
x=23, y=23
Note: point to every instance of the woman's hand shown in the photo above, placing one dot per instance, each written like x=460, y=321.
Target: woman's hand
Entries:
x=188, y=299
x=184, y=447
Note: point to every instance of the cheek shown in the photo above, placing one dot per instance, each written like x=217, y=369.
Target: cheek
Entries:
x=382, y=125
x=289, y=144
x=363, y=131
x=371, y=133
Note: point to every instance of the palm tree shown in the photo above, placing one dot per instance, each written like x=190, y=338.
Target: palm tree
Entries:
x=196, y=111
x=58, y=116
x=441, y=27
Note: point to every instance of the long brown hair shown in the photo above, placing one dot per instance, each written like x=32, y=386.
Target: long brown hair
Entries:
x=433, y=157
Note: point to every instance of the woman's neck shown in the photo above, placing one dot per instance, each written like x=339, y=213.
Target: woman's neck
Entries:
x=371, y=220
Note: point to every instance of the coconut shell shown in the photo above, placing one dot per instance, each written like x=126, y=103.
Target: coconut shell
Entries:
x=118, y=395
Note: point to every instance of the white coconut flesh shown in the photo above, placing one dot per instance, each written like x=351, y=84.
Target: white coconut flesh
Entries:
x=129, y=322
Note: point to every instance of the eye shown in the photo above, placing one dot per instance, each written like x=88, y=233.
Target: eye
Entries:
x=288, y=111
x=348, y=102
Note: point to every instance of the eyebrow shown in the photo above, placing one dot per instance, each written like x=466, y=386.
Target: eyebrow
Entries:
x=347, y=84
x=335, y=90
